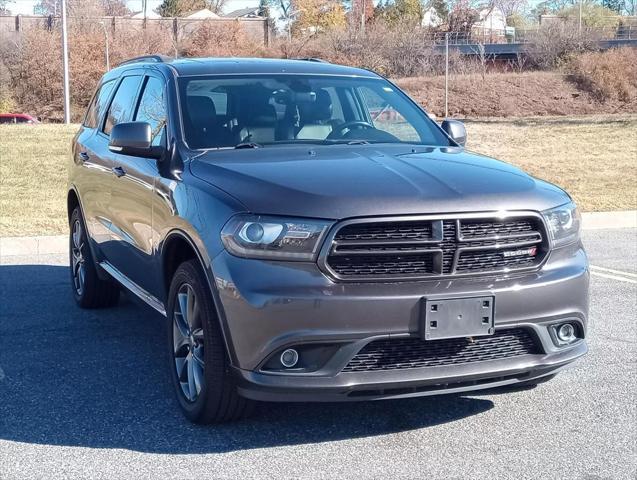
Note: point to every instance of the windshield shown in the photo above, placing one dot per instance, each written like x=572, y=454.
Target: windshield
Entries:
x=261, y=110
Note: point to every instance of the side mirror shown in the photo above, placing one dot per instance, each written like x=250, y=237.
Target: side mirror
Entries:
x=133, y=138
x=456, y=130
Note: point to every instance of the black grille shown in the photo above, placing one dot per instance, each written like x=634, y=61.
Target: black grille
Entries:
x=379, y=265
x=388, y=250
x=484, y=261
x=396, y=354
x=383, y=231
x=480, y=228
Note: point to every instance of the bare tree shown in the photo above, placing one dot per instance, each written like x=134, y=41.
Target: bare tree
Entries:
x=510, y=7
x=4, y=7
x=82, y=8
x=216, y=5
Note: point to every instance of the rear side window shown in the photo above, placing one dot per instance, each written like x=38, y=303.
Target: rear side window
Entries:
x=152, y=108
x=98, y=105
x=121, y=109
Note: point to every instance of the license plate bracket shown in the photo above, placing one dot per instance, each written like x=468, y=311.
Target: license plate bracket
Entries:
x=458, y=318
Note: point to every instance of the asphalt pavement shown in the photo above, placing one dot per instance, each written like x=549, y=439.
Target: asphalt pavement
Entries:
x=85, y=394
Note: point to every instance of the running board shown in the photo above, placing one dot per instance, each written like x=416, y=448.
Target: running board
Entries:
x=133, y=287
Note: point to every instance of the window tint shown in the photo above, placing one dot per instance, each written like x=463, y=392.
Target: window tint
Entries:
x=121, y=109
x=220, y=100
x=97, y=106
x=152, y=108
x=226, y=111
x=385, y=117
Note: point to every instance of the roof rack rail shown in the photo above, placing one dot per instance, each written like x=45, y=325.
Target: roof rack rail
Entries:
x=312, y=59
x=148, y=59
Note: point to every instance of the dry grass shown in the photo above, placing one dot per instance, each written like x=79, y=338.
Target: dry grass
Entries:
x=525, y=94
x=594, y=158
x=33, y=173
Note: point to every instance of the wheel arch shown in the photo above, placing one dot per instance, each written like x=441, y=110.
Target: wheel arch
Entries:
x=72, y=202
x=178, y=247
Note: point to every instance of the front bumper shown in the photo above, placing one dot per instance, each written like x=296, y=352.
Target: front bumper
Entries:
x=267, y=306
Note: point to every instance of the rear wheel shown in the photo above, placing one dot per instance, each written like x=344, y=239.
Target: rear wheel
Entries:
x=89, y=290
x=199, y=363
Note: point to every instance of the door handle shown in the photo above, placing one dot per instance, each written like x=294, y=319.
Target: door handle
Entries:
x=84, y=156
x=118, y=171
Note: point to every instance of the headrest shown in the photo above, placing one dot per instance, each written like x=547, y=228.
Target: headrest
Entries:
x=255, y=114
x=319, y=110
x=201, y=110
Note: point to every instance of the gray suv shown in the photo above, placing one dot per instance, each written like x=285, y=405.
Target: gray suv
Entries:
x=310, y=234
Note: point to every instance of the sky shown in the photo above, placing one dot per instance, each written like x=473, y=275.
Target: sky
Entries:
x=25, y=7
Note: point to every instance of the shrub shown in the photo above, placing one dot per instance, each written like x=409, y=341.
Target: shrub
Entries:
x=552, y=44
x=610, y=75
x=214, y=39
x=34, y=64
x=398, y=50
x=7, y=104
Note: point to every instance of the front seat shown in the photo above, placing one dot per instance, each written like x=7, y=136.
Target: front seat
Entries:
x=204, y=127
x=316, y=117
x=257, y=122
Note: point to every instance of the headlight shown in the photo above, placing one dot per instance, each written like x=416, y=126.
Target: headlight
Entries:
x=564, y=223
x=255, y=236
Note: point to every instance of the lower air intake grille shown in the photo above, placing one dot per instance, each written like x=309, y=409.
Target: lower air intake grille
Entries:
x=402, y=353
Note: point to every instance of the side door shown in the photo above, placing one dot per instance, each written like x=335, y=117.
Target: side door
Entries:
x=93, y=177
x=119, y=110
x=133, y=193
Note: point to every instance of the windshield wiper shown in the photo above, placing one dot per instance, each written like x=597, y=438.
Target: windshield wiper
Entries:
x=248, y=145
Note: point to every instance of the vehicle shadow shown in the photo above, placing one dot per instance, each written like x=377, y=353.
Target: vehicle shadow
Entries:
x=99, y=379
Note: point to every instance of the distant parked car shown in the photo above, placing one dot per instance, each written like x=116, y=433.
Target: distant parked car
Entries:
x=17, y=118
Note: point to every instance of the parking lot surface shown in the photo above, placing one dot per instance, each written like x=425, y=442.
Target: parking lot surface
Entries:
x=85, y=394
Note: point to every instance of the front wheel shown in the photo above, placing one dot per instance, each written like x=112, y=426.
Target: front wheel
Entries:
x=199, y=363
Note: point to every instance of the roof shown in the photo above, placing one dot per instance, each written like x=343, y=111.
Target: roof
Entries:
x=243, y=12
x=229, y=66
x=149, y=14
x=203, y=13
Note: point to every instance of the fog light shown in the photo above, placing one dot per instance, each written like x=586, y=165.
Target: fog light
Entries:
x=289, y=358
x=566, y=333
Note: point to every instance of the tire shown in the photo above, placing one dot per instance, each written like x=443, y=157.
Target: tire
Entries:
x=199, y=364
x=89, y=291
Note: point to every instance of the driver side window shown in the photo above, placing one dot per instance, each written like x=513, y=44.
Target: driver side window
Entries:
x=385, y=117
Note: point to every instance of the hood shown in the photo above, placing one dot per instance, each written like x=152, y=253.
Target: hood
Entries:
x=336, y=182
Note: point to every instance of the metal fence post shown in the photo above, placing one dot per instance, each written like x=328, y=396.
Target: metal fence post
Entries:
x=446, y=74
x=65, y=64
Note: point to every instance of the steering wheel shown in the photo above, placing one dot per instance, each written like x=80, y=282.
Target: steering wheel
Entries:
x=340, y=129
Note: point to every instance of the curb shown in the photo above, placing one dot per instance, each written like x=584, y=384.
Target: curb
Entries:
x=599, y=220
x=43, y=245
x=58, y=244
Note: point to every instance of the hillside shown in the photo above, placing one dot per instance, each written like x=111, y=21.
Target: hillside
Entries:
x=509, y=95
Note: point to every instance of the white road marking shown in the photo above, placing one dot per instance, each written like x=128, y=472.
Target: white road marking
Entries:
x=613, y=277
x=610, y=270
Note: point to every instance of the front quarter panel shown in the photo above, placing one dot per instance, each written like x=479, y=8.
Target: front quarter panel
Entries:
x=194, y=209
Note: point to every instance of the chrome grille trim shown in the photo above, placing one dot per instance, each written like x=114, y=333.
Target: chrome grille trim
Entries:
x=447, y=243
